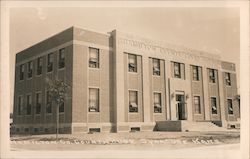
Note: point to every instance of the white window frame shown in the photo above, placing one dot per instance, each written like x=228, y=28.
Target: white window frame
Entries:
x=95, y=61
x=160, y=104
x=133, y=104
x=97, y=100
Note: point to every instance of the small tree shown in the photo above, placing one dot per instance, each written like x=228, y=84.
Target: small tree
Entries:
x=58, y=92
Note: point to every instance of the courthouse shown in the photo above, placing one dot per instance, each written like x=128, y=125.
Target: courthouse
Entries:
x=122, y=83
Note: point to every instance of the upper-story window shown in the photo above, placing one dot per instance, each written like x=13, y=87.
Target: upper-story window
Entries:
x=230, y=106
x=197, y=104
x=196, y=73
x=50, y=62
x=61, y=61
x=93, y=57
x=30, y=69
x=212, y=77
x=157, y=103
x=38, y=103
x=28, y=108
x=20, y=105
x=39, y=68
x=61, y=107
x=228, y=79
x=213, y=105
x=21, y=72
x=93, y=100
x=133, y=101
x=156, y=67
x=178, y=70
x=132, y=63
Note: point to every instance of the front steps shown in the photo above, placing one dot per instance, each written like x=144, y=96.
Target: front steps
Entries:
x=184, y=125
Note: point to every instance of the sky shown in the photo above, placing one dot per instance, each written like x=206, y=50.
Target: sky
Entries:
x=214, y=30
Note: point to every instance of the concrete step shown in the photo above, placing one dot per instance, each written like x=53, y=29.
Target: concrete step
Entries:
x=187, y=126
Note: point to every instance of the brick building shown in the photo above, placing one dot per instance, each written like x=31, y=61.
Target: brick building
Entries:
x=120, y=82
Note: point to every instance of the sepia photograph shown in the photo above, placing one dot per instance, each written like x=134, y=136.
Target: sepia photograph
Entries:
x=124, y=79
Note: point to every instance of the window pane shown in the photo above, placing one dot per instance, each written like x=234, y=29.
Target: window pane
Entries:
x=197, y=104
x=93, y=58
x=157, y=103
x=228, y=79
x=230, y=106
x=93, y=100
x=156, y=67
x=132, y=63
x=133, y=105
x=213, y=105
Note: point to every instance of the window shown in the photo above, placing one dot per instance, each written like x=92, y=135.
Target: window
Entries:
x=230, y=106
x=178, y=70
x=28, y=111
x=48, y=102
x=30, y=69
x=132, y=64
x=61, y=63
x=197, y=104
x=93, y=100
x=211, y=75
x=195, y=73
x=156, y=67
x=228, y=79
x=39, y=66
x=50, y=62
x=157, y=103
x=61, y=107
x=21, y=72
x=133, y=102
x=38, y=103
x=213, y=105
x=20, y=105
x=93, y=57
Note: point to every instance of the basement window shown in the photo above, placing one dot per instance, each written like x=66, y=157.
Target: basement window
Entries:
x=94, y=130
x=135, y=129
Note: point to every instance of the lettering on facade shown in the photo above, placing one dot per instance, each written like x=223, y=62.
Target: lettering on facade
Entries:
x=168, y=51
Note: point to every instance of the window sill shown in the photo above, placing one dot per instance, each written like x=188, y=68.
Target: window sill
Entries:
x=94, y=112
x=61, y=69
x=133, y=72
x=94, y=68
x=40, y=75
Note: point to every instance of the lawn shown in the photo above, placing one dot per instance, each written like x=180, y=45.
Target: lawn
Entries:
x=124, y=141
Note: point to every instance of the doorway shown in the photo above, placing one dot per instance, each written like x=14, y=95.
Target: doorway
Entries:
x=180, y=107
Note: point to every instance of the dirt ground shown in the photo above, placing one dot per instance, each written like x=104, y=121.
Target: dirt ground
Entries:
x=126, y=141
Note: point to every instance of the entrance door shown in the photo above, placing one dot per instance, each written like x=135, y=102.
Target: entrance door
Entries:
x=180, y=106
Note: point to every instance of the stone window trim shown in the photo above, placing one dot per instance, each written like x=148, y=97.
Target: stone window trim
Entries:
x=156, y=63
x=94, y=104
x=228, y=79
x=133, y=101
x=157, y=101
x=178, y=70
x=230, y=106
x=132, y=63
x=94, y=58
x=197, y=104
x=214, y=105
x=196, y=72
x=212, y=75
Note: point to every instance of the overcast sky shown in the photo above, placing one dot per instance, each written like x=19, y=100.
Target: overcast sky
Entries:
x=215, y=30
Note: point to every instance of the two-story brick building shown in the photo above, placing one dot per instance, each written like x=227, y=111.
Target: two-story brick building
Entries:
x=120, y=82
